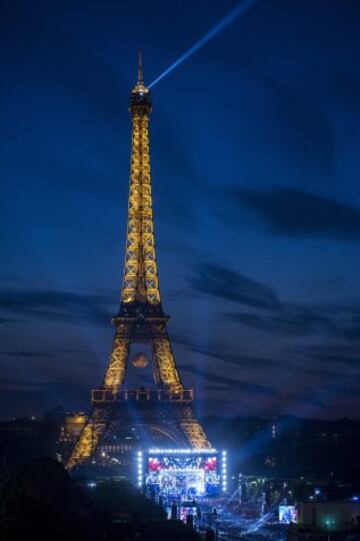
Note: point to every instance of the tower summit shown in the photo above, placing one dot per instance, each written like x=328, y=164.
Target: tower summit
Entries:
x=140, y=95
x=164, y=413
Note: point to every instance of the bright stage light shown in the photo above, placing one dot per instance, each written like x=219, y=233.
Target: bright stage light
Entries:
x=182, y=451
x=91, y=484
x=224, y=471
x=140, y=471
x=184, y=473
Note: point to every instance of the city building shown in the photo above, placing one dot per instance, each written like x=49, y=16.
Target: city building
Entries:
x=330, y=515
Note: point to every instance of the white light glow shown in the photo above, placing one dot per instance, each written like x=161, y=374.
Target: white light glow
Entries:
x=181, y=451
x=224, y=471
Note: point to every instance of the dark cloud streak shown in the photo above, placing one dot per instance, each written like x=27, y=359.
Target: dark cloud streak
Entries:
x=293, y=320
x=220, y=281
x=294, y=213
x=65, y=306
x=235, y=384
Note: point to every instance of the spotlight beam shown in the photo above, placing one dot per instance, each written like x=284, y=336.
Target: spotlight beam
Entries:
x=240, y=9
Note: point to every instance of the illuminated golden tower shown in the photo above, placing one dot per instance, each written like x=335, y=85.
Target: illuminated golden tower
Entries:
x=168, y=409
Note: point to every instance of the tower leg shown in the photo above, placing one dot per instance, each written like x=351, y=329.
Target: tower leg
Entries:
x=193, y=430
x=115, y=373
x=165, y=363
x=89, y=437
x=99, y=417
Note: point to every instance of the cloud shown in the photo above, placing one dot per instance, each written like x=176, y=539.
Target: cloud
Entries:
x=294, y=213
x=9, y=320
x=235, y=384
x=268, y=313
x=347, y=88
x=77, y=351
x=19, y=383
x=220, y=281
x=217, y=351
x=300, y=129
x=330, y=353
x=333, y=379
x=341, y=359
x=215, y=388
x=178, y=206
x=293, y=320
x=29, y=354
x=11, y=279
x=56, y=305
x=351, y=331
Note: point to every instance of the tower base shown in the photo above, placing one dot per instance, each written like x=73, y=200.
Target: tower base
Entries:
x=137, y=419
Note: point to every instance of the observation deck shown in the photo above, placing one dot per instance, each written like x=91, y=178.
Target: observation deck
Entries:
x=105, y=396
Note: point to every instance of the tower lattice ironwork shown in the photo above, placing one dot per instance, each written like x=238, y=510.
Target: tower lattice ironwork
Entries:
x=168, y=408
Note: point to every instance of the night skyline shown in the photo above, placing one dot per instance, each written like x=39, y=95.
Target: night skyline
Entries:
x=253, y=145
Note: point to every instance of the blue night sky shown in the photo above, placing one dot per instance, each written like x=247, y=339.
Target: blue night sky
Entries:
x=255, y=166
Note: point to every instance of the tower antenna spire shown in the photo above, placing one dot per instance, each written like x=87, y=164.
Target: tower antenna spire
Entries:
x=140, y=67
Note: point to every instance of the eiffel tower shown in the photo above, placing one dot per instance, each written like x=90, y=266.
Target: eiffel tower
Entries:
x=165, y=412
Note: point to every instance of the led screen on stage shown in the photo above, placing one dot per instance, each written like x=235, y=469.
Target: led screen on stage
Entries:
x=287, y=514
x=184, y=476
